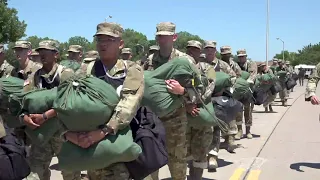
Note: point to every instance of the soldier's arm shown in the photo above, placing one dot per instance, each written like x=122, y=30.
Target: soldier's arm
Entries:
x=238, y=69
x=312, y=83
x=130, y=99
x=253, y=72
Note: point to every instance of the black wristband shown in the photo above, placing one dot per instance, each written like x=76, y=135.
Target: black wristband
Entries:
x=45, y=117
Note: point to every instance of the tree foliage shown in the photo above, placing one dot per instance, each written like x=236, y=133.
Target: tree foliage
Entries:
x=183, y=38
x=11, y=29
x=136, y=41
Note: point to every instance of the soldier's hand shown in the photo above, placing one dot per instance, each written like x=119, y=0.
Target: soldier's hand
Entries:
x=84, y=141
x=95, y=136
x=193, y=109
x=29, y=122
x=315, y=100
x=174, y=87
x=37, y=118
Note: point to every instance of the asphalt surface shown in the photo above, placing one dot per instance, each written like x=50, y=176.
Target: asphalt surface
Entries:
x=285, y=146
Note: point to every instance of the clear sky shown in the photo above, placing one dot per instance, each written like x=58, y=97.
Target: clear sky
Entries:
x=240, y=24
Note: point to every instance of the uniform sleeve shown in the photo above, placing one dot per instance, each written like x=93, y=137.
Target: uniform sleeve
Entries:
x=237, y=69
x=312, y=82
x=253, y=72
x=130, y=99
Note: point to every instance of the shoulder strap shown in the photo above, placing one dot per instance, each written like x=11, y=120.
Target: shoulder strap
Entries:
x=89, y=67
x=59, y=70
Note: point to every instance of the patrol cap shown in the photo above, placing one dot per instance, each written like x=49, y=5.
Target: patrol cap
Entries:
x=34, y=52
x=22, y=44
x=194, y=43
x=109, y=29
x=154, y=47
x=241, y=52
x=280, y=61
x=75, y=48
x=275, y=60
x=166, y=28
x=126, y=51
x=49, y=45
x=261, y=65
x=287, y=62
x=202, y=55
x=225, y=50
x=210, y=44
x=91, y=55
x=1, y=48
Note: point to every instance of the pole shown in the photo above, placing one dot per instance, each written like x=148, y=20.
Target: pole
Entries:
x=267, y=36
x=283, y=50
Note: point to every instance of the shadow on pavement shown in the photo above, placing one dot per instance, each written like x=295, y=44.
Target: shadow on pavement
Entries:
x=223, y=163
x=54, y=167
x=264, y=112
x=281, y=105
x=188, y=178
x=296, y=166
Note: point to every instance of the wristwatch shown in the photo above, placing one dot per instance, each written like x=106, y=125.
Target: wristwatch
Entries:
x=45, y=117
x=21, y=117
x=105, y=130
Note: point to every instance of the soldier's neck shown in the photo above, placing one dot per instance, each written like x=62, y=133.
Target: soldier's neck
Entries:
x=48, y=67
x=24, y=64
x=165, y=53
x=109, y=63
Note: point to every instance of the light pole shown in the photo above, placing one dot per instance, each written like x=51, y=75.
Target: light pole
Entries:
x=282, y=47
x=109, y=17
x=267, y=36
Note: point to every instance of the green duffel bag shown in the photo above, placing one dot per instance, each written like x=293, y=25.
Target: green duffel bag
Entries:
x=245, y=75
x=223, y=81
x=38, y=102
x=10, y=86
x=282, y=74
x=113, y=149
x=85, y=103
x=71, y=64
x=241, y=90
x=206, y=117
x=156, y=95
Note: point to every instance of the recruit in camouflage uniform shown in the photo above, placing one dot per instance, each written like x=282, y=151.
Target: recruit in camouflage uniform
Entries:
x=127, y=78
x=226, y=56
x=89, y=57
x=25, y=70
x=175, y=123
x=35, y=57
x=263, y=69
x=5, y=70
x=251, y=67
x=41, y=156
x=274, y=65
x=152, y=49
x=126, y=53
x=75, y=53
x=291, y=71
x=283, y=93
x=310, y=94
x=199, y=139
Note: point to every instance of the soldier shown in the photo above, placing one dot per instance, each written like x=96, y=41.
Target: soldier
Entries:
x=283, y=78
x=274, y=65
x=126, y=54
x=152, y=49
x=176, y=122
x=219, y=65
x=90, y=56
x=251, y=67
x=291, y=71
x=202, y=57
x=199, y=139
x=35, y=57
x=263, y=69
x=310, y=94
x=49, y=76
x=122, y=74
x=226, y=56
x=75, y=53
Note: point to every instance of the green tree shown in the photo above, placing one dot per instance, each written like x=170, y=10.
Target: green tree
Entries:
x=11, y=29
x=134, y=40
x=183, y=38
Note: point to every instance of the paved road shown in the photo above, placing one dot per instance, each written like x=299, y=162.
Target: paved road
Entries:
x=285, y=146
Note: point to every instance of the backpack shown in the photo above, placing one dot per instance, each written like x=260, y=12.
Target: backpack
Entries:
x=149, y=133
x=226, y=107
x=13, y=163
x=260, y=96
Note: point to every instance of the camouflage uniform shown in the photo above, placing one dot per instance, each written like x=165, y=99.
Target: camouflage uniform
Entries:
x=250, y=67
x=284, y=92
x=152, y=49
x=90, y=56
x=126, y=53
x=202, y=57
x=312, y=83
x=5, y=70
x=24, y=74
x=35, y=57
x=41, y=156
x=274, y=65
x=200, y=139
x=127, y=77
x=175, y=123
x=234, y=66
x=291, y=71
x=270, y=97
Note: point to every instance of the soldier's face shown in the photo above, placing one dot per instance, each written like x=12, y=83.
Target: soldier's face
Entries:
x=126, y=56
x=152, y=51
x=22, y=53
x=242, y=59
x=36, y=58
x=166, y=41
x=194, y=52
x=48, y=56
x=210, y=52
x=108, y=46
x=74, y=55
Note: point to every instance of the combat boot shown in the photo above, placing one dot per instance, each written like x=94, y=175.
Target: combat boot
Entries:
x=270, y=108
x=195, y=173
x=266, y=109
x=248, y=133
x=212, y=163
x=238, y=136
x=284, y=103
x=231, y=144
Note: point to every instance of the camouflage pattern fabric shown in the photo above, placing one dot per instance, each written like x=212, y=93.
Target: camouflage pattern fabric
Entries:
x=116, y=171
x=247, y=113
x=283, y=93
x=312, y=82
